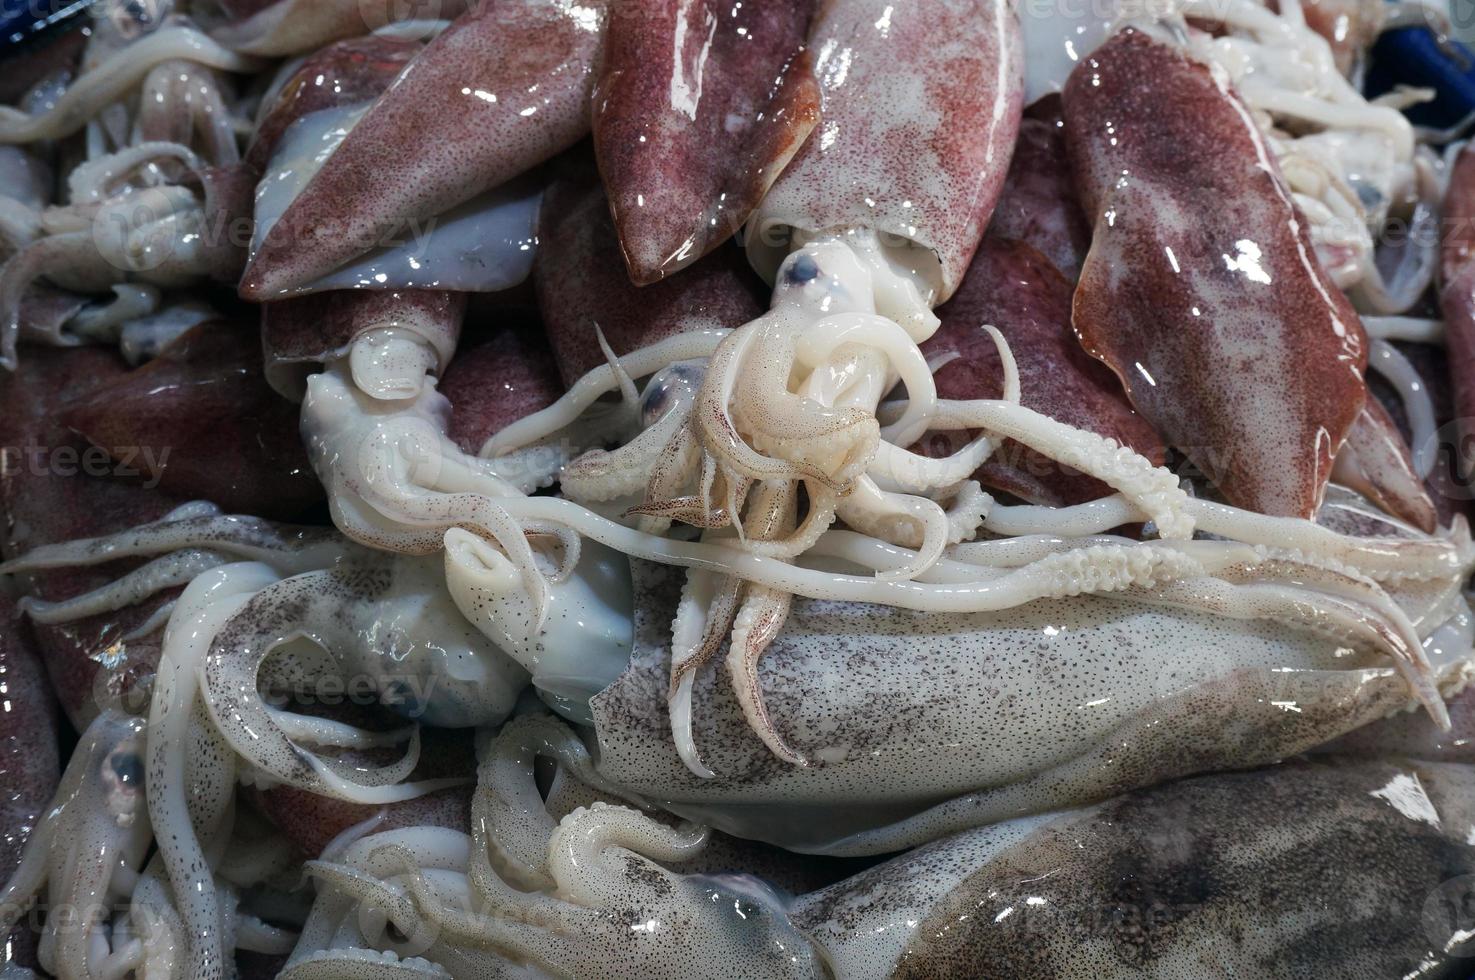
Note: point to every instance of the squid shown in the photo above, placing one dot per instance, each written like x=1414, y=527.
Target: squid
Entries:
x=698, y=108
x=1352, y=166
x=1215, y=308
x=84, y=854
x=526, y=109
x=579, y=885
x=853, y=288
x=1165, y=881
x=1457, y=301
x=159, y=198
x=1249, y=642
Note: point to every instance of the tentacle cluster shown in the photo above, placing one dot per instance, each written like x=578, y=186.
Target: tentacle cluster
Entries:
x=268, y=614
x=155, y=114
x=587, y=893
x=782, y=433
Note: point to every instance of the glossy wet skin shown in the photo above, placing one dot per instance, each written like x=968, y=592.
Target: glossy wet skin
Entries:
x=356, y=199
x=644, y=547
x=1215, y=309
x=1158, y=883
x=687, y=163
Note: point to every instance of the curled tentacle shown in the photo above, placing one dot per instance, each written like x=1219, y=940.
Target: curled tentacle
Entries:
x=338, y=611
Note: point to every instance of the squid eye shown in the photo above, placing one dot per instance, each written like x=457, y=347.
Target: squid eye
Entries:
x=670, y=386
x=803, y=269
x=128, y=767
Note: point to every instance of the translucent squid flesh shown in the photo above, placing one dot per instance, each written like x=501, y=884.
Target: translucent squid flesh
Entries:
x=1227, y=334
x=698, y=108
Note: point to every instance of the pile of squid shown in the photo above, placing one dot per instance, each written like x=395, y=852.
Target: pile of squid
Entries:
x=733, y=488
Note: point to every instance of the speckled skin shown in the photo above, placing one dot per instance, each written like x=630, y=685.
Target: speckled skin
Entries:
x=920, y=106
x=505, y=88
x=1016, y=289
x=88, y=661
x=499, y=375
x=299, y=334
x=1376, y=462
x=1049, y=706
x=286, y=27
x=1038, y=204
x=1413, y=735
x=1457, y=295
x=30, y=761
x=580, y=282
x=201, y=421
x=1201, y=289
x=347, y=73
x=697, y=109
x=1293, y=871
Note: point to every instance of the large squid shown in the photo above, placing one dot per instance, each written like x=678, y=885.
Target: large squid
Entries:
x=698, y=108
x=882, y=209
x=477, y=118
x=1227, y=334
